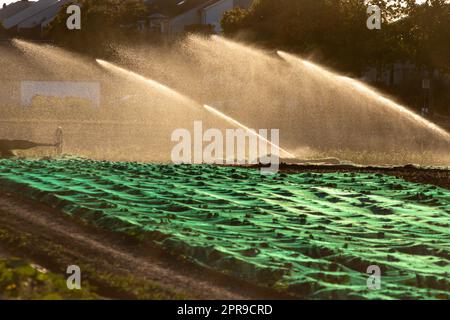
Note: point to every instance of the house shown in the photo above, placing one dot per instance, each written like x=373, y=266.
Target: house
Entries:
x=30, y=16
x=13, y=8
x=173, y=17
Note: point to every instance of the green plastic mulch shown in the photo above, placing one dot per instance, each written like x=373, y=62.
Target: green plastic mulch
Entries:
x=310, y=234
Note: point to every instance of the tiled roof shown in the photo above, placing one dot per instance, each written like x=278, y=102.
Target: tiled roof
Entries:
x=14, y=8
x=177, y=7
x=34, y=9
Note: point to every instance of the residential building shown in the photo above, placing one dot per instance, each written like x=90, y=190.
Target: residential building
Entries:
x=171, y=17
x=30, y=17
x=13, y=9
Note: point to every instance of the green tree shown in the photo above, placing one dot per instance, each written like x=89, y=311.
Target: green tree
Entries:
x=335, y=31
x=233, y=20
x=102, y=21
x=427, y=34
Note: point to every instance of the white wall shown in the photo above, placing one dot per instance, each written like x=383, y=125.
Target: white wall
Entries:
x=209, y=15
x=214, y=13
x=178, y=23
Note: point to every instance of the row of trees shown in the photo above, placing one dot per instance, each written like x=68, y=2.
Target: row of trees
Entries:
x=335, y=33
x=335, y=30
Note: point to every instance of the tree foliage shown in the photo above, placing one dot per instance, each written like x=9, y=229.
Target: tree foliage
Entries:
x=426, y=32
x=204, y=29
x=102, y=21
x=335, y=30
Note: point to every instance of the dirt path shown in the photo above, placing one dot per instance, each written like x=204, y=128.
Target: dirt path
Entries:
x=437, y=177
x=119, y=266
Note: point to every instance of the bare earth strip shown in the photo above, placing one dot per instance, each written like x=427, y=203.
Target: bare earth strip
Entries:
x=433, y=176
x=119, y=267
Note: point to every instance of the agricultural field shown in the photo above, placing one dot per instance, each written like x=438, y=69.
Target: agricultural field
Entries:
x=309, y=234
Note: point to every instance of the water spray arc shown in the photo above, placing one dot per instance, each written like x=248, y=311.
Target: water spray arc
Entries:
x=172, y=92
x=154, y=84
x=320, y=113
x=367, y=91
x=401, y=109
x=237, y=123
